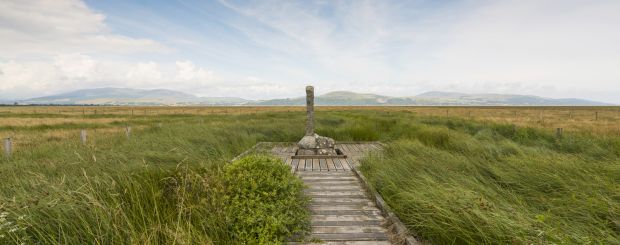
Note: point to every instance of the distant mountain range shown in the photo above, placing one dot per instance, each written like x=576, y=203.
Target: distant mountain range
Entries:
x=431, y=98
x=128, y=96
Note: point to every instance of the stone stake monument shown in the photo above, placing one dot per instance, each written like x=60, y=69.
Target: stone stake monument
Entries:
x=310, y=110
x=311, y=143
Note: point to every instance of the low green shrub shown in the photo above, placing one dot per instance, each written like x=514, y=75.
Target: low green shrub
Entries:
x=264, y=200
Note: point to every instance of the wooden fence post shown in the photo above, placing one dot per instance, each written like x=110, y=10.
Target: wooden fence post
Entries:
x=558, y=132
x=596, y=116
x=128, y=131
x=8, y=145
x=541, y=116
x=83, y=136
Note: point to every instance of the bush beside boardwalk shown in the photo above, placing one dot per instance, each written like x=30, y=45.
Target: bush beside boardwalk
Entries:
x=450, y=180
x=264, y=201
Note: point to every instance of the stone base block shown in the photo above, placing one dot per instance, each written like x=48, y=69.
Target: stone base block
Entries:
x=316, y=145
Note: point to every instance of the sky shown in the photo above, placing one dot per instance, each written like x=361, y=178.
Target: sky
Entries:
x=273, y=49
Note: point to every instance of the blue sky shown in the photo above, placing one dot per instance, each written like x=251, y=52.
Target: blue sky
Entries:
x=271, y=49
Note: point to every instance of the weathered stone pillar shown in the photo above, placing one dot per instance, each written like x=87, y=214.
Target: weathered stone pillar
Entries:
x=311, y=143
x=310, y=110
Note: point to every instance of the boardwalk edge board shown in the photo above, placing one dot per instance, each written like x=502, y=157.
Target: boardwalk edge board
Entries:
x=395, y=225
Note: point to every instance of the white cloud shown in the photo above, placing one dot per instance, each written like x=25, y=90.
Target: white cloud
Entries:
x=44, y=27
x=33, y=74
x=75, y=66
x=353, y=40
x=54, y=46
x=266, y=49
x=187, y=71
x=547, y=48
x=144, y=73
x=76, y=71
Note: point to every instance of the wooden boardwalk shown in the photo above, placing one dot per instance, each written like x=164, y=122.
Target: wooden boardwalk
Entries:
x=354, y=152
x=342, y=212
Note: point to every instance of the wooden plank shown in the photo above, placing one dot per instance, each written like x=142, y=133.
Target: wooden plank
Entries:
x=330, y=165
x=351, y=150
x=317, y=156
x=315, y=165
x=294, y=164
x=289, y=162
x=354, y=161
x=326, y=177
x=375, y=236
x=354, y=149
x=345, y=164
x=347, y=229
x=342, y=148
x=338, y=165
x=307, y=164
x=275, y=150
x=323, y=165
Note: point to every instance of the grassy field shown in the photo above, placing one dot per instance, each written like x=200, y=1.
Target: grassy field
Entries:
x=453, y=174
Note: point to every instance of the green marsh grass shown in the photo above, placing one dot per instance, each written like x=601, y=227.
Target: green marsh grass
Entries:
x=462, y=182
x=450, y=180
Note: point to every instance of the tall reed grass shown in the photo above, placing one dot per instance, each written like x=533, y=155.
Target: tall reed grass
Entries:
x=450, y=180
x=461, y=182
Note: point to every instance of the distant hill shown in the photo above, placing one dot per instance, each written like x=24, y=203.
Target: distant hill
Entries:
x=448, y=98
x=432, y=98
x=332, y=98
x=128, y=96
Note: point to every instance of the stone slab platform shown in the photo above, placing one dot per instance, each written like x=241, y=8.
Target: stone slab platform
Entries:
x=353, y=151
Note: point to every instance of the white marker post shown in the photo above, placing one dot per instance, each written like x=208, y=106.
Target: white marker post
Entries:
x=128, y=132
x=7, y=147
x=83, y=136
